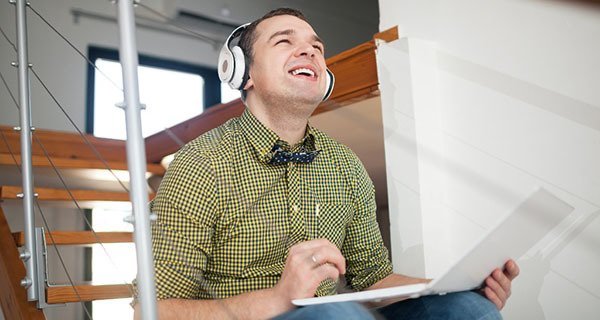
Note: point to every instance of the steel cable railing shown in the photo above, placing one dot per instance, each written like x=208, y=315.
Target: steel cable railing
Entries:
x=79, y=131
x=55, y=168
x=47, y=226
x=81, y=134
x=43, y=216
x=71, y=282
x=52, y=163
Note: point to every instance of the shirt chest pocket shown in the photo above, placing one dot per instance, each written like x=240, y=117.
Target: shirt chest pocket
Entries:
x=332, y=221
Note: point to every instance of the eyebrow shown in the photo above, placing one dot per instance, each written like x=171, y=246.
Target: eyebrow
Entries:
x=288, y=32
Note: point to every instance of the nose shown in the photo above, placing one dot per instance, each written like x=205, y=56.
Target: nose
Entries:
x=306, y=49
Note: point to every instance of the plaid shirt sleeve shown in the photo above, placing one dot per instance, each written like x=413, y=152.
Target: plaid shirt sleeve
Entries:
x=186, y=207
x=367, y=258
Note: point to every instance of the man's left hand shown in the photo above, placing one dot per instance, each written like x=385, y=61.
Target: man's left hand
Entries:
x=497, y=285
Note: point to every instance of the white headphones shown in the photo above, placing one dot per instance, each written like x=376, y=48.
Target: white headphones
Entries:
x=232, y=65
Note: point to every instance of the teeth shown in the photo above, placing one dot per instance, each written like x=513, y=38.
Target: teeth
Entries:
x=304, y=71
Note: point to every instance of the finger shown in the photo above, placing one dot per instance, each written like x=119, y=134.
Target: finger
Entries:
x=316, y=261
x=313, y=246
x=511, y=269
x=491, y=283
x=327, y=255
x=326, y=271
x=491, y=295
x=503, y=280
x=317, y=252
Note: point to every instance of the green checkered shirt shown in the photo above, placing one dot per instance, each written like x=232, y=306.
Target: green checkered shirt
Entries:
x=227, y=218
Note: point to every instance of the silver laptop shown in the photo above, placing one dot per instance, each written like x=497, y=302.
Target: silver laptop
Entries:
x=519, y=231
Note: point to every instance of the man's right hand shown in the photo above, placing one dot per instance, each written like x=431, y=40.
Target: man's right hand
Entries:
x=307, y=265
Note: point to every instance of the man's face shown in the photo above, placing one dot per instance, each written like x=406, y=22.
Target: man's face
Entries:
x=288, y=61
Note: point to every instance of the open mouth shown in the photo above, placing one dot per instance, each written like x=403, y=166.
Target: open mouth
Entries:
x=303, y=72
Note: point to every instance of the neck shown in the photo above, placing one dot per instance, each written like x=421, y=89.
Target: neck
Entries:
x=287, y=120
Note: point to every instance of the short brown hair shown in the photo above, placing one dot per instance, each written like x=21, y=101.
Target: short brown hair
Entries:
x=248, y=36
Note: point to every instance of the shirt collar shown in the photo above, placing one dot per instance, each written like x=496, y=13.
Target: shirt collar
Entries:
x=263, y=139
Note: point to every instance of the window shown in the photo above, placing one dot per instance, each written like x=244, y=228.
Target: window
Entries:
x=172, y=92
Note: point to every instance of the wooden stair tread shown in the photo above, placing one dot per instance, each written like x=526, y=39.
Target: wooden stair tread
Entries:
x=51, y=194
x=71, y=163
x=87, y=292
x=63, y=144
x=78, y=237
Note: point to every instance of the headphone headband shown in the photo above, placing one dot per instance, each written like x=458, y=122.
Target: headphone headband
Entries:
x=235, y=33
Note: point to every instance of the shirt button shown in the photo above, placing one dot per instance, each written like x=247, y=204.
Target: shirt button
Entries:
x=295, y=208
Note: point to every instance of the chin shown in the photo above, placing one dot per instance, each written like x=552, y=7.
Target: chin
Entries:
x=295, y=95
x=307, y=96
x=303, y=99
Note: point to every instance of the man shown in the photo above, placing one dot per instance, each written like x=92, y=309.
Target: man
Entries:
x=266, y=209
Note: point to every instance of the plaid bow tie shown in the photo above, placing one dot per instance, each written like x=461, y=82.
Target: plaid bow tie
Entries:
x=282, y=156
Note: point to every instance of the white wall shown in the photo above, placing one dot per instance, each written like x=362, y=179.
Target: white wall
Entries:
x=482, y=102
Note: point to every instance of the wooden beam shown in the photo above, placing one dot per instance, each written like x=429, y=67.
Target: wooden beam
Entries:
x=13, y=297
x=49, y=194
x=356, y=80
x=78, y=293
x=388, y=35
x=78, y=237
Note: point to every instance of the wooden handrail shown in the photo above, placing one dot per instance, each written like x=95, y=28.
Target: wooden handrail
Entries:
x=78, y=237
x=13, y=297
x=356, y=80
x=87, y=292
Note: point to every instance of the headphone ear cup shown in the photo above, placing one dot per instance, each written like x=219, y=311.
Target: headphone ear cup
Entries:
x=225, y=65
x=330, y=82
x=237, y=78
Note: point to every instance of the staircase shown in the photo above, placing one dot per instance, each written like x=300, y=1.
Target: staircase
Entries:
x=71, y=155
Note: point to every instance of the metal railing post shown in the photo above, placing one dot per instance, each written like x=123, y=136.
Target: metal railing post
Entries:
x=136, y=161
x=31, y=281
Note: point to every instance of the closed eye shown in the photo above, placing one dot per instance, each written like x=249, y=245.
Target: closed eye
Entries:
x=318, y=47
x=282, y=41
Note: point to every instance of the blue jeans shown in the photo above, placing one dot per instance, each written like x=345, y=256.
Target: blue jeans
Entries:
x=327, y=311
x=461, y=305
x=466, y=305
